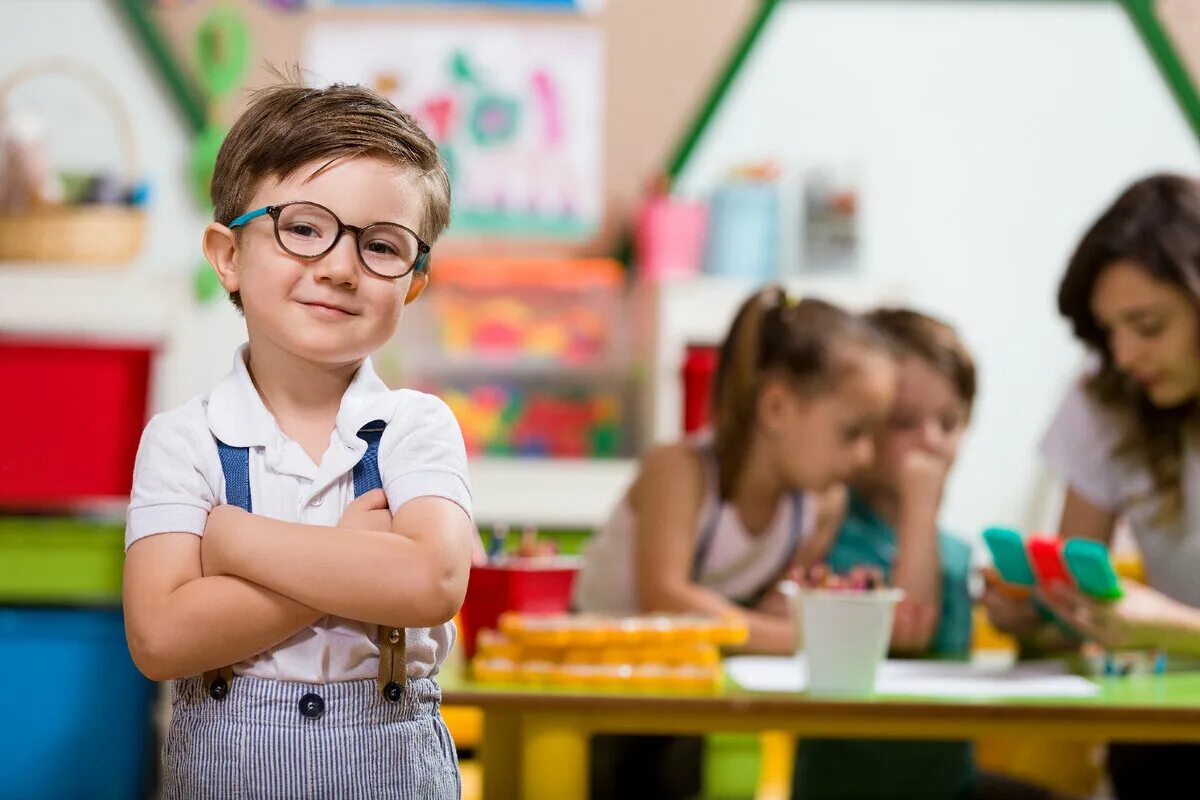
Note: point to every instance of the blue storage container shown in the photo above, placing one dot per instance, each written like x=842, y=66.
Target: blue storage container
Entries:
x=78, y=716
x=743, y=231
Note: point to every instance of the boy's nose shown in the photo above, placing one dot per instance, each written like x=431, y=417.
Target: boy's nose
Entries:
x=340, y=265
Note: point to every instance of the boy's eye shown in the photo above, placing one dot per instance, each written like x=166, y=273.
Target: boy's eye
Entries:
x=382, y=248
x=1149, y=329
x=303, y=230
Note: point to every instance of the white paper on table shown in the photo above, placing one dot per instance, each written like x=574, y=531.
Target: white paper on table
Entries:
x=923, y=678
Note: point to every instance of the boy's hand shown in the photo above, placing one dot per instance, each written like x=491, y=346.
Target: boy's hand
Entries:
x=913, y=627
x=922, y=476
x=369, y=512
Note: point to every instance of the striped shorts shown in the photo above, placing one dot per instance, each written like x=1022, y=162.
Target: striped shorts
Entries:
x=273, y=739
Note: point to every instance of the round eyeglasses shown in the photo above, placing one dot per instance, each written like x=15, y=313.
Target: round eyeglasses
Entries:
x=308, y=230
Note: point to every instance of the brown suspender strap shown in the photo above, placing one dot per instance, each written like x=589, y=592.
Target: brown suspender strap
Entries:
x=393, y=663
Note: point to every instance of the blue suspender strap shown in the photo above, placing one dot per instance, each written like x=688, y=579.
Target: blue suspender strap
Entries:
x=366, y=471
x=235, y=463
x=393, y=661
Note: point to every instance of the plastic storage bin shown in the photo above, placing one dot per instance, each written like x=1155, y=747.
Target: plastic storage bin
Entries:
x=536, y=586
x=71, y=417
x=526, y=311
x=78, y=717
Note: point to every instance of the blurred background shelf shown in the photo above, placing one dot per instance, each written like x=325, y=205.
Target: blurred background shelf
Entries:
x=549, y=493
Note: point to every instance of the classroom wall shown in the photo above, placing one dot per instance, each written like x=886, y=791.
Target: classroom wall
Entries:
x=152, y=297
x=660, y=58
x=987, y=135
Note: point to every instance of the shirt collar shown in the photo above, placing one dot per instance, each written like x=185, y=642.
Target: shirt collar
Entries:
x=236, y=414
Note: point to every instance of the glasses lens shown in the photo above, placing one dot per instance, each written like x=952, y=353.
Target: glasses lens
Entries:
x=306, y=230
x=388, y=249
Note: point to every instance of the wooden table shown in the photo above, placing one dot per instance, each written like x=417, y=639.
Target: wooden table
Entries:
x=535, y=739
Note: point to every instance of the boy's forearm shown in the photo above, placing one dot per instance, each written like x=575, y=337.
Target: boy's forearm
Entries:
x=212, y=622
x=918, y=566
x=371, y=576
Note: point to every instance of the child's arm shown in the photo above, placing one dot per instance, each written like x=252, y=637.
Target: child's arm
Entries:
x=407, y=567
x=179, y=623
x=413, y=575
x=666, y=499
x=918, y=565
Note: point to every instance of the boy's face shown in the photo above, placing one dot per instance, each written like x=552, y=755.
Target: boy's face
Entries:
x=328, y=310
x=928, y=415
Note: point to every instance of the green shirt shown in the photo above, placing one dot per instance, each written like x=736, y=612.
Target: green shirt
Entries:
x=854, y=768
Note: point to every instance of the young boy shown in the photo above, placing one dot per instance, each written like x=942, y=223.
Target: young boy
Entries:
x=302, y=535
x=891, y=524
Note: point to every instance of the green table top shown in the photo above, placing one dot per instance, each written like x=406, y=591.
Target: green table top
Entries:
x=1150, y=708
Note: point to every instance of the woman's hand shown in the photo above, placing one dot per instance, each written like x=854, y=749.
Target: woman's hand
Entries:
x=1008, y=613
x=1142, y=619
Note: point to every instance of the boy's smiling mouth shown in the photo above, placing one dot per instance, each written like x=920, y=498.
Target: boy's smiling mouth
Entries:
x=326, y=309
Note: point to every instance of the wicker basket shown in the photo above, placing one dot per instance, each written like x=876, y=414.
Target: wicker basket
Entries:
x=82, y=234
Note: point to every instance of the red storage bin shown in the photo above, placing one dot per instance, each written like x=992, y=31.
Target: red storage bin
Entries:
x=535, y=586
x=72, y=413
x=699, y=369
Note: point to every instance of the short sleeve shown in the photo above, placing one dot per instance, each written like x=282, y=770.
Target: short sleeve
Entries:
x=1078, y=446
x=171, y=492
x=422, y=453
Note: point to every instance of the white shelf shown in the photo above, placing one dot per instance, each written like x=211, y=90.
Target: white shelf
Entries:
x=567, y=493
x=105, y=301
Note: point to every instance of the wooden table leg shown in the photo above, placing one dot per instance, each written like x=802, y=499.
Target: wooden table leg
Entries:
x=555, y=757
x=501, y=751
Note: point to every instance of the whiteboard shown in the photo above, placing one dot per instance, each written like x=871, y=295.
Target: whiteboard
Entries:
x=984, y=138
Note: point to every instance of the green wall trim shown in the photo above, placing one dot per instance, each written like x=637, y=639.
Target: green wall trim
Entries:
x=1166, y=57
x=1140, y=12
x=716, y=95
x=187, y=97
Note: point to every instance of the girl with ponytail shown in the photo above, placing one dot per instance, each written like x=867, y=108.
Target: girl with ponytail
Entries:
x=712, y=523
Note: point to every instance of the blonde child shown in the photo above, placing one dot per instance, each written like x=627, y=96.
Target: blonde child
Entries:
x=890, y=523
x=710, y=524
x=301, y=536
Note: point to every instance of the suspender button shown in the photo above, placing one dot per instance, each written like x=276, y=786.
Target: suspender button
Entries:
x=394, y=635
x=218, y=689
x=393, y=692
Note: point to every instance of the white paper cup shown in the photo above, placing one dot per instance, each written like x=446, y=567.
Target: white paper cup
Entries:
x=844, y=635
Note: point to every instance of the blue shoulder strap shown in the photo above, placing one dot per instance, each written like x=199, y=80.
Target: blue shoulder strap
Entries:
x=366, y=471
x=235, y=464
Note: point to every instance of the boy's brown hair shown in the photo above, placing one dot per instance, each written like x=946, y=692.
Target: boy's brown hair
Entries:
x=289, y=126
x=932, y=341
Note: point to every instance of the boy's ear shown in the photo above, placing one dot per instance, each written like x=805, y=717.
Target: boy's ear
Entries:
x=420, y=279
x=220, y=249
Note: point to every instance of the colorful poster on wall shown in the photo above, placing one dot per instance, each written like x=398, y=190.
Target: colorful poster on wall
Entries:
x=515, y=110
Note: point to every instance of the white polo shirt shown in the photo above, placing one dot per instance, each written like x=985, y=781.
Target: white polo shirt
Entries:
x=1080, y=446
x=178, y=479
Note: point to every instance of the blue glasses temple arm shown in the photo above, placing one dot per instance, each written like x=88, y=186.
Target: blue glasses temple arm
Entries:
x=249, y=215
